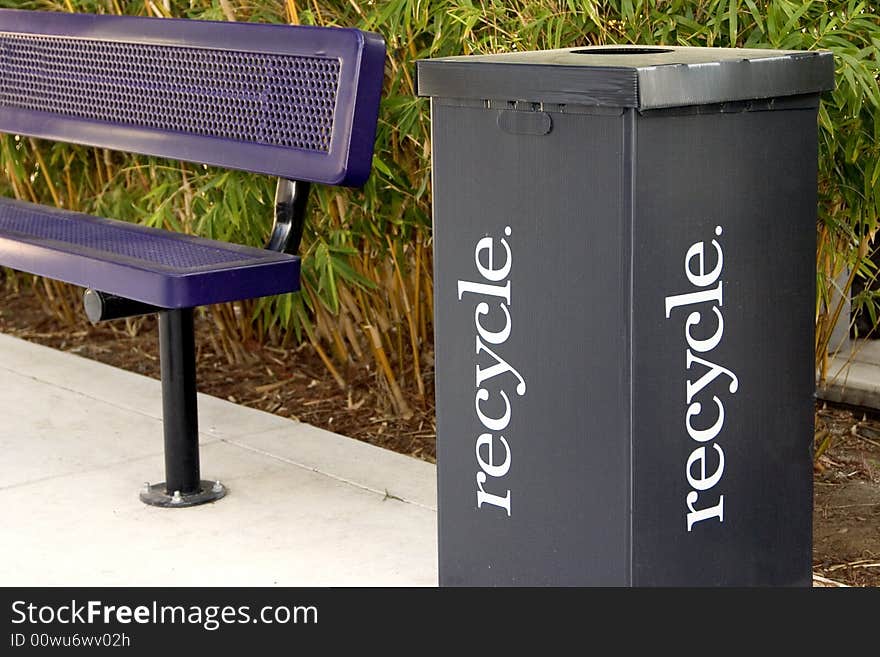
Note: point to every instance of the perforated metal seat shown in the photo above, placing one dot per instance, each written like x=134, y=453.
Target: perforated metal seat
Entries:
x=158, y=267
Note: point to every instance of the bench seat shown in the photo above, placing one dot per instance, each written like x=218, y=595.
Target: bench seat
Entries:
x=154, y=266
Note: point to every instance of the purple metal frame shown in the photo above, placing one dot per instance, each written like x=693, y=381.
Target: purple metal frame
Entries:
x=361, y=56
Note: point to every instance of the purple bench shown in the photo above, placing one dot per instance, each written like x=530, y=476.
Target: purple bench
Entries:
x=296, y=102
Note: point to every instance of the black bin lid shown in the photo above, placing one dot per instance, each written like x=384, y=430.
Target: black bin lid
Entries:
x=644, y=77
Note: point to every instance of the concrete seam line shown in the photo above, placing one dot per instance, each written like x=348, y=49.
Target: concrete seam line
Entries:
x=383, y=493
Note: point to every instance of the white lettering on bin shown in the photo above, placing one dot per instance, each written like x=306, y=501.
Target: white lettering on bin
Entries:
x=704, y=415
x=492, y=372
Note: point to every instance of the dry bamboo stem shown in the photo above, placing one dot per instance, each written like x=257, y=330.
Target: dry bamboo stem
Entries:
x=375, y=342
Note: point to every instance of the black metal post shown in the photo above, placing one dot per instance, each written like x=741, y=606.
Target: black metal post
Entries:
x=177, y=353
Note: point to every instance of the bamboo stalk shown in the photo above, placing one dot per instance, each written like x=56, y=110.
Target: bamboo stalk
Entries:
x=108, y=164
x=187, y=195
x=341, y=208
x=228, y=11
x=246, y=322
x=32, y=194
x=72, y=196
x=15, y=181
x=318, y=12
x=348, y=328
x=140, y=174
x=397, y=398
x=15, y=189
x=47, y=176
x=98, y=171
x=56, y=293
x=329, y=330
x=415, y=272
x=158, y=11
x=324, y=358
x=826, y=338
x=292, y=13
x=411, y=325
x=349, y=303
x=222, y=341
x=356, y=8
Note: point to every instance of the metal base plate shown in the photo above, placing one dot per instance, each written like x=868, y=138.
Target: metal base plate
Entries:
x=155, y=495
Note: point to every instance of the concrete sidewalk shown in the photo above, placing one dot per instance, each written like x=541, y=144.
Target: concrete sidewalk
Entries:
x=306, y=507
x=854, y=374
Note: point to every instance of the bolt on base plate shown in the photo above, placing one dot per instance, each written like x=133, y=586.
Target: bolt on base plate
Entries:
x=156, y=495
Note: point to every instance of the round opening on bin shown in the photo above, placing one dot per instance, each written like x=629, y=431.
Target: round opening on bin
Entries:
x=621, y=51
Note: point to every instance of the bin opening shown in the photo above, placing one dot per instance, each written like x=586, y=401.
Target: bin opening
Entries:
x=599, y=50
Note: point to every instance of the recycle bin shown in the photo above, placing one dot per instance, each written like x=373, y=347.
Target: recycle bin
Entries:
x=624, y=307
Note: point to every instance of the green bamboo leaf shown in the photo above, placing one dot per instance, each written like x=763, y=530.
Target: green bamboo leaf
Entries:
x=755, y=14
x=381, y=166
x=793, y=21
x=732, y=20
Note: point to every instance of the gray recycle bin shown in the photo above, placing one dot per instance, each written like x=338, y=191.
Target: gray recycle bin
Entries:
x=624, y=296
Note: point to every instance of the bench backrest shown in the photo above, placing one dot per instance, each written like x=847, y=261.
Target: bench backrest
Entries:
x=292, y=101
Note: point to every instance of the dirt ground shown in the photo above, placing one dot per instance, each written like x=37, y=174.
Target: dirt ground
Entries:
x=846, y=512
x=294, y=383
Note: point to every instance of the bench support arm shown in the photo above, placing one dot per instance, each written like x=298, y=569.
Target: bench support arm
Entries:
x=291, y=199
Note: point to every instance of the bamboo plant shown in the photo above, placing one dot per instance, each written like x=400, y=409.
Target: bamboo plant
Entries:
x=367, y=268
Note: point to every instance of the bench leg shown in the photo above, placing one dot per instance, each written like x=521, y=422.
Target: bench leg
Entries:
x=177, y=353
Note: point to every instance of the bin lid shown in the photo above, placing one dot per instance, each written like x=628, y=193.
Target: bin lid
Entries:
x=644, y=77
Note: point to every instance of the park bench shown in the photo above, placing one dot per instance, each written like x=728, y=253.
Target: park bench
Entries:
x=295, y=102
